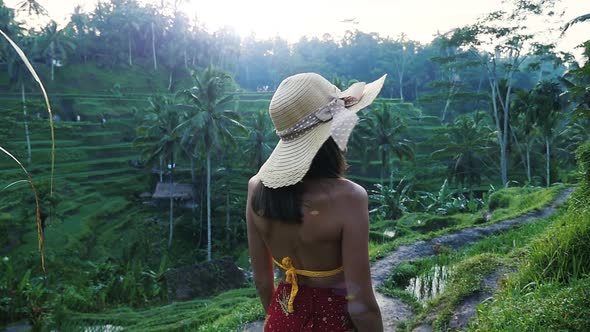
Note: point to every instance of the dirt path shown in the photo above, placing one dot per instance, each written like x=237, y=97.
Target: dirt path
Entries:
x=393, y=310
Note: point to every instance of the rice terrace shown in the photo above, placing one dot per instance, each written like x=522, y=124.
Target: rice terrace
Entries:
x=131, y=128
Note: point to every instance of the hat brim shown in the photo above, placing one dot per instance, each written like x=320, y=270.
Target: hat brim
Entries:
x=290, y=160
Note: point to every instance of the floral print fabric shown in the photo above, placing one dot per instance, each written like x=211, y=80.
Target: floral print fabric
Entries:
x=316, y=309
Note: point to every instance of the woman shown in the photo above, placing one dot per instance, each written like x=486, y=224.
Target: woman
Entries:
x=307, y=218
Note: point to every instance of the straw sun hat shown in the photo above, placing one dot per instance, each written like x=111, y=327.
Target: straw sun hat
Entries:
x=306, y=110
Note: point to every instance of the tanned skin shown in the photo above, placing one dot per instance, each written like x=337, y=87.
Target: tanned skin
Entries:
x=334, y=233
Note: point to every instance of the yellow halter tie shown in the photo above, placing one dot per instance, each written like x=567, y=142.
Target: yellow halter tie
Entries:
x=291, y=277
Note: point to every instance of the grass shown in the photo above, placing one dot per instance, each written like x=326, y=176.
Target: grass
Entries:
x=408, y=227
x=225, y=312
x=469, y=266
x=550, y=291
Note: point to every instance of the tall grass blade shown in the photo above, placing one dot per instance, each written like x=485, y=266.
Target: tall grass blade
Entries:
x=24, y=58
x=37, y=207
x=13, y=184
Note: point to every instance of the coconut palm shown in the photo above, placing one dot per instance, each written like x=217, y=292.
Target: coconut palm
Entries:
x=260, y=134
x=130, y=26
x=55, y=45
x=524, y=127
x=548, y=104
x=209, y=122
x=387, y=130
x=468, y=144
x=31, y=7
x=157, y=138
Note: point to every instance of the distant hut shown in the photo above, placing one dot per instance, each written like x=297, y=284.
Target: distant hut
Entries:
x=178, y=191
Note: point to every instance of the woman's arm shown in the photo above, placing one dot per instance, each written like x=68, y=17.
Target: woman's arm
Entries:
x=260, y=257
x=362, y=306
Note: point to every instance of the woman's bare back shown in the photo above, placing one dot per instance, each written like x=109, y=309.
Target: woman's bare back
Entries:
x=316, y=243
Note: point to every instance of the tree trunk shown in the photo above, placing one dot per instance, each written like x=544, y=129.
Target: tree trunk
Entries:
x=129, y=46
x=401, y=86
x=170, y=80
x=194, y=185
x=184, y=52
x=383, y=165
x=528, y=162
x=209, y=205
x=52, y=49
x=161, y=170
x=448, y=102
x=193, y=175
x=227, y=230
x=154, y=47
x=171, y=204
x=547, y=161
x=27, y=135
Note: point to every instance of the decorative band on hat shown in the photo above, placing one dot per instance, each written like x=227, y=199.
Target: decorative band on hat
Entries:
x=323, y=114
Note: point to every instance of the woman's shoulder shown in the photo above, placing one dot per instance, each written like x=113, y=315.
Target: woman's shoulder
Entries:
x=340, y=189
x=253, y=183
x=352, y=191
x=350, y=188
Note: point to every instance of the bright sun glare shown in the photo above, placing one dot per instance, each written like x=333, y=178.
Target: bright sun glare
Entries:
x=266, y=18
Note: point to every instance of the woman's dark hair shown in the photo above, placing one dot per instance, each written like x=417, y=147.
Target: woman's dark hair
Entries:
x=285, y=203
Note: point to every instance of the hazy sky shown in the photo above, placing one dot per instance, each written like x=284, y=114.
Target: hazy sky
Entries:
x=419, y=19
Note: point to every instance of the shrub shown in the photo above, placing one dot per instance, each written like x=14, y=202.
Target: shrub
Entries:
x=499, y=200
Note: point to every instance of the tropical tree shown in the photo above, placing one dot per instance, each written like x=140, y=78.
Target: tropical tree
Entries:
x=387, y=130
x=547, y=104
x=208, y=121
x=130, y=25
x=158, y=138
x=55, y=45
x=403, y=50
x=524, y=126
x=452, y=63
x=79, y=28
x=261, y=133
x=577, y=82
x=10, y=27
x=500, y=42
x=32, y=7
x=468, y=145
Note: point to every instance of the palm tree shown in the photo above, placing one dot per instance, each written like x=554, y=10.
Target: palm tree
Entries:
x=54, y=44
x=208, y=122
x=547, y=102
x=524, y=125
x=260, y=135
x=130, y=26
x=79, y=25
x=468, y=144
x=32, y=7
x=157, y=137
x=387, y=131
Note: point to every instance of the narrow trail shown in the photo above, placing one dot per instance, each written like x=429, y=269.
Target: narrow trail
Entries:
x=393, y=310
